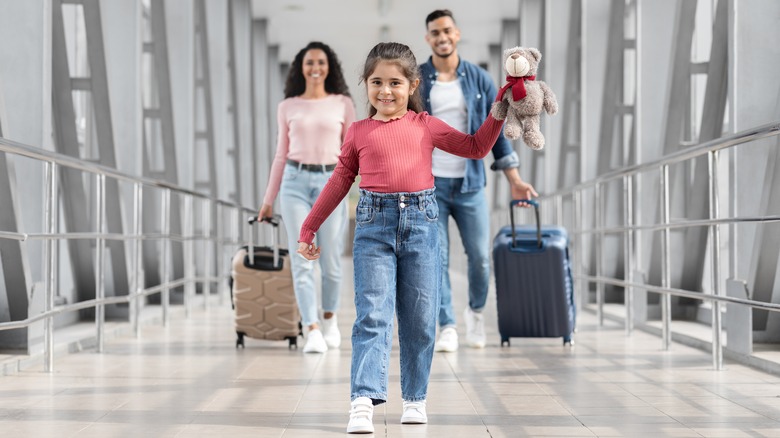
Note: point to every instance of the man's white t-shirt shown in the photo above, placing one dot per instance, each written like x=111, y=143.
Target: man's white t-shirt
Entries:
x=449, y=104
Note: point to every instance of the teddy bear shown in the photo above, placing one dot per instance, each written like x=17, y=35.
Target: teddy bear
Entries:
x=523, y=98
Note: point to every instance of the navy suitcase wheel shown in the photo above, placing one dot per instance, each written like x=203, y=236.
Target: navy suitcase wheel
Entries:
x=534, y=287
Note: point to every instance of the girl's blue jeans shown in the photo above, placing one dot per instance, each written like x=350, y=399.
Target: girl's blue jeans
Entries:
x=300, y=188
x=396, y=256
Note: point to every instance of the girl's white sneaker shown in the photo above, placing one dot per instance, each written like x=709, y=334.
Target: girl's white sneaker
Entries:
x=361, y=416
x=414, y=412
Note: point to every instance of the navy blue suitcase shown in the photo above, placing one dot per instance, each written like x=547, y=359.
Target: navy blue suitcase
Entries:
x=534, y=287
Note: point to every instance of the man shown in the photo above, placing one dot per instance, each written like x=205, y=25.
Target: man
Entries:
x=461, y=94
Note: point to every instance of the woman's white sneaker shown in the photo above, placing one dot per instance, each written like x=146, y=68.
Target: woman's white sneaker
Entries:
x=330, y=331
x=475, y=328
x=448, y=340
x=414, y=412
x=315, y=342
x=361, y=416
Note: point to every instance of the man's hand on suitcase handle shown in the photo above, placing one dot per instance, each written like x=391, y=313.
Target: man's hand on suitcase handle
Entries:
x=309, y=251
x=521, y=189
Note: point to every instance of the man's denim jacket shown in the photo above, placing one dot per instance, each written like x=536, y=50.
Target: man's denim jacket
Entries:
x=479, y=92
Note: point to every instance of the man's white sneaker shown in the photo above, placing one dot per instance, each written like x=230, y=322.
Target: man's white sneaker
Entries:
x=414, y=413
x=330, y=331
x=315, y=343
x=475, y=328
x=448, y=340
x=361, y=416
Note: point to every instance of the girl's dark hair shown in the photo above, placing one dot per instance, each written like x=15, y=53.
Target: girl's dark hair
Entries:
x=334, y=82
x=400, y=55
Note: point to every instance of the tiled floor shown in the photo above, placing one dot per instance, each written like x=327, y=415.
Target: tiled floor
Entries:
x=188, y=380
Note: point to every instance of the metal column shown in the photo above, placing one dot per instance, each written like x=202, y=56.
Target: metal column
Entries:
x=204, y=158
x=105, y=137
x=571, y=108
x=680, y=133
x=66, y=142
x=763, y=276
x=161, y=153
x=14, y=269
x=263, y=113
x=205, y=170
x=235, y=152
x=616, y=149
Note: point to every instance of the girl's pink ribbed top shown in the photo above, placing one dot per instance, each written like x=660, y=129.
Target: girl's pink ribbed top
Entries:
x=394, y=157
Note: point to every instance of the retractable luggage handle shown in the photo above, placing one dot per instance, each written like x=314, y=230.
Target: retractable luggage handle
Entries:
x=274, y=222
x=535, y=204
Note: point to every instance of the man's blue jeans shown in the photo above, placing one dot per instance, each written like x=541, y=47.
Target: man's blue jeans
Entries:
x=396, y=272
x=470, y=212
x=299, y=190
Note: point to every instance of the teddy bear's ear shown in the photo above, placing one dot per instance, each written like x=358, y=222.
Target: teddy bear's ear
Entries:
x=535, y=53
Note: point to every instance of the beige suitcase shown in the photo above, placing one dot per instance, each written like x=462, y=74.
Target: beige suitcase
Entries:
x=262, y=290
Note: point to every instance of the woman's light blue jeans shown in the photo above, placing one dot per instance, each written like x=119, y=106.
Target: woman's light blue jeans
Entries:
x=299, y=190
x=396, y=257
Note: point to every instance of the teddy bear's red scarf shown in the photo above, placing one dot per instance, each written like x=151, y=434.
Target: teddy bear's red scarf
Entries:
x=518, y=87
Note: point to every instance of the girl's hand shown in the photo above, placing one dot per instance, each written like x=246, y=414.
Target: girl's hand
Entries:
x=308, y=251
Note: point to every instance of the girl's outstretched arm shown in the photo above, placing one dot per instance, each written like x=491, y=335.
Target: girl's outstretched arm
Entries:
x=455, y=142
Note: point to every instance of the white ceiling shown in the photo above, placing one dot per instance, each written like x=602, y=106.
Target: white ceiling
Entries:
x=352, y=27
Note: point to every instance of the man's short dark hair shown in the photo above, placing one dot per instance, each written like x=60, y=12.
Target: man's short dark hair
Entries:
x=435, y=15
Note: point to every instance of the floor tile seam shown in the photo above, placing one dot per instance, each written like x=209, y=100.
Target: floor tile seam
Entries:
x=674, y=420
x=78, y=432
x=471, y=402
x=318, y=366
x=743, y=406
x=80, y=342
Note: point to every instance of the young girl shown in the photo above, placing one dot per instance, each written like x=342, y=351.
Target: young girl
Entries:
x=396, y=235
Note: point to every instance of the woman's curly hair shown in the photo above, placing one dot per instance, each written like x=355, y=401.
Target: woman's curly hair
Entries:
x=334, y=82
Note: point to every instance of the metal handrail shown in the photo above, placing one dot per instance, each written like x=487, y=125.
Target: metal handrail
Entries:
x=213, y=234
x=39, y=154
x=763, y=131
x=577, y=192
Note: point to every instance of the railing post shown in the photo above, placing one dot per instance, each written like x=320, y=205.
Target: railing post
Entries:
x=599, y=236
x=580, y=233
x=138, y=275
x=666, y=299
x=100, y=244
x=50, y=263
x=218, y=246
x=189, y=267
x=166, y=255
x=628, y=250
x=207, y=253
x=717, y=344
x=237, y=222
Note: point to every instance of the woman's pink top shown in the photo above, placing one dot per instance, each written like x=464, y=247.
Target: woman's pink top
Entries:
x=394, y=157
x=311, y=131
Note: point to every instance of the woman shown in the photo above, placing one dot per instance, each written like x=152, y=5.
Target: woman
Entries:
x=312, y=120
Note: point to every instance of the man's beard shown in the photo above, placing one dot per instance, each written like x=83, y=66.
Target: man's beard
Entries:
x=445, y=55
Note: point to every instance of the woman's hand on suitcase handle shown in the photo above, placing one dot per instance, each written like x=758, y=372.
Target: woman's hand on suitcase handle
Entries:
x=266, y=211
x=309, y=251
